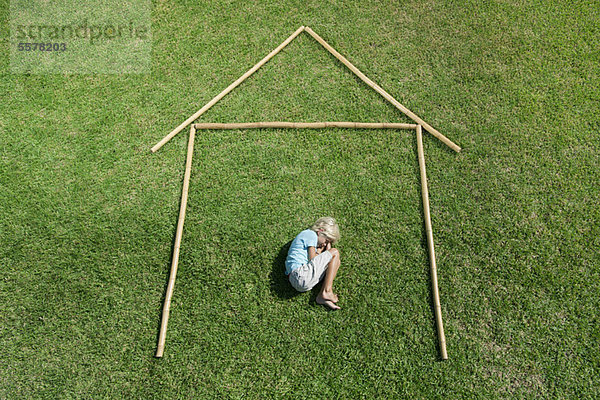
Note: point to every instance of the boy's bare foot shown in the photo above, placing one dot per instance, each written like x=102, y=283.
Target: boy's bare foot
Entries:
x=329, y=296
x=328, y=299
x=328, y=303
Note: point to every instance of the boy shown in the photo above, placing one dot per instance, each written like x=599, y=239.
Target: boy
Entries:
x=311, y=259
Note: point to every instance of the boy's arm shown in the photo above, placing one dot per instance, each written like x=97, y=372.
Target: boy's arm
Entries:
x=312, y=252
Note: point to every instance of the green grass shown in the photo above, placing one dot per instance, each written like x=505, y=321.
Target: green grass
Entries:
x=89, y=214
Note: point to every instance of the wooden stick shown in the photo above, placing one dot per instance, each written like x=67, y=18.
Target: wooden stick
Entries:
x=434, y=283
x=184, y=196
x=227, y=90
x=306, y=125
x=382, y=92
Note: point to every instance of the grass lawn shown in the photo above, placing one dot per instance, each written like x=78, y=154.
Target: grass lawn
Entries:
x=88, y=213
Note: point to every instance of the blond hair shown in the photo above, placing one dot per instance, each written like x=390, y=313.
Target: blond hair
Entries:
x=327, y=227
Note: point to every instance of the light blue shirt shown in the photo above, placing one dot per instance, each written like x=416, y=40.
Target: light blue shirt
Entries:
x=298, y=252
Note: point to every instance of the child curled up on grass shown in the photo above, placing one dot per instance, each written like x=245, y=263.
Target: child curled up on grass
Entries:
x=311, y=259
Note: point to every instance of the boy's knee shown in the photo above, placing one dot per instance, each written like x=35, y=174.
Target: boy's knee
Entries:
x=334, y=252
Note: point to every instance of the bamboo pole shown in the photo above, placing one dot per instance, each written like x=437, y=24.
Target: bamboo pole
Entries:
x=434, y=283
x=227, y=90
x=306, y=125
x=382, y=92
x=184, y=196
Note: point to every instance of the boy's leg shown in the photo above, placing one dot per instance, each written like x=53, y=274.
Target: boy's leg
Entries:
x=326, y=296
